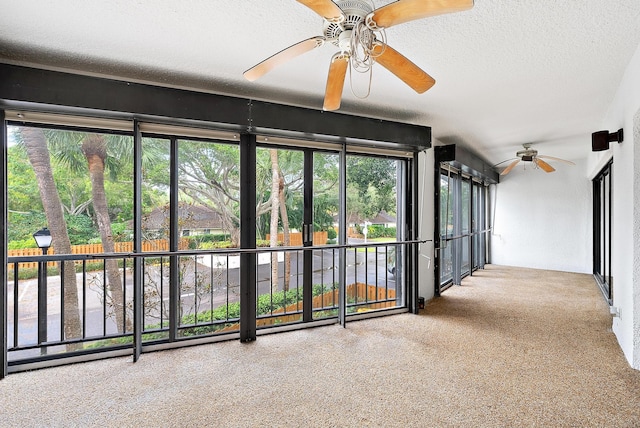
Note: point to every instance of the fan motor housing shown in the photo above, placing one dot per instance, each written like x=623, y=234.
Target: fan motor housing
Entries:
x=354, y=11
x=527, y=154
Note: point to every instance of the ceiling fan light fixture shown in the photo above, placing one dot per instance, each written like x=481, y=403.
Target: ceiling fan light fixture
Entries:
x=531, y=155
x=357, y=28
x=344, y=41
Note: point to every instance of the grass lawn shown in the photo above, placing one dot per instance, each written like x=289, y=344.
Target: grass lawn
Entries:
x=376, y=241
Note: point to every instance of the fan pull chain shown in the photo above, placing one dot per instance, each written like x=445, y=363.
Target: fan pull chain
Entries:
x=368, y=88
x=362, y=43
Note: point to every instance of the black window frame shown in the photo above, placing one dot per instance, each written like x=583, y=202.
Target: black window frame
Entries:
x=602, y=228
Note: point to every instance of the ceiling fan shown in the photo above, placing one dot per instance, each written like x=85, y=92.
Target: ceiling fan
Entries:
x=357, y=29
x=531, y=155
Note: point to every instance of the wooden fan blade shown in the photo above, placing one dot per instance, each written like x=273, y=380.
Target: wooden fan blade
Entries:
x=506, y=160
x=335, y=82
x=325, y=8
x=508, y=169
x=556, y=159
x=543, y=165
x=408, y=10
x=403, y=68
x=283, y=56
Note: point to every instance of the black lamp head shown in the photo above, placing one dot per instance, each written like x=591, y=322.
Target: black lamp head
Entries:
x=43, y=238
x=600, y=140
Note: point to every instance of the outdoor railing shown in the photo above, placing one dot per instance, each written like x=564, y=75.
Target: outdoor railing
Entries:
x=199, y=290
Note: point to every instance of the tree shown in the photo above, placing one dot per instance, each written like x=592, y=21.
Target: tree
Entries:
x=325, y=190
x=94, y=149
x=285, y=230
x=209, y=175
x=36, y=147
x=98, y=153
x=371, y=184
x=275, y=200
x=22, y=189
x=286, y=178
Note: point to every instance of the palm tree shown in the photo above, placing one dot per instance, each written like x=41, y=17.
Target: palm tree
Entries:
x=94, y=149
x=285, y=230
x=35, y=144
x=99, y=153
x=273, y=230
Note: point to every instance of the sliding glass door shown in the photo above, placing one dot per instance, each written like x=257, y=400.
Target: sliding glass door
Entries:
x=461, y=221
x=602, y=224
x=150, y=247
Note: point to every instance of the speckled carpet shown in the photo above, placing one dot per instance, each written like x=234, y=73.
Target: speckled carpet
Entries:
x=510, y=348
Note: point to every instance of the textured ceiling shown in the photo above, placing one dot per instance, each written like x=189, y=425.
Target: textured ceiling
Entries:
x=507, y=72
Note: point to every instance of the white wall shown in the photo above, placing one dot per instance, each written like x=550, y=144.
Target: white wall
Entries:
x=626, y=209
x=543, y=220
x=635, y=286
x=425, y=223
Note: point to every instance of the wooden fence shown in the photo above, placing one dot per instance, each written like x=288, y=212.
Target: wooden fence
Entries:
x=358, y=291
x=319, y=238
x=120, y=247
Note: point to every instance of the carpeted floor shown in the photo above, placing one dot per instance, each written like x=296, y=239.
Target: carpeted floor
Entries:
x=510, y=348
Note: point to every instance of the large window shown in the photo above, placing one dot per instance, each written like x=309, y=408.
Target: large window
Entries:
x=75, y=186
x=479, y=225
x=462, y=227
x=602, y=224
x=149, y=244
x=375, y=217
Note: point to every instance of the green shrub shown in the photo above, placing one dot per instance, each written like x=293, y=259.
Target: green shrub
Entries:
x=262, y=243
x=319, y=289
x=80, y=229
x=207, y=246
x=331, y=233
x=207, y=241
x=121, y=232
x=22, y=225
x=215, y=245
x=22, y=243
x=380, y=231
x=230, y=312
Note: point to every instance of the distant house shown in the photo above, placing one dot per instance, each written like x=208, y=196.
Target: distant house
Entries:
x=355, y=222
x=192, y=220
x=383, y=218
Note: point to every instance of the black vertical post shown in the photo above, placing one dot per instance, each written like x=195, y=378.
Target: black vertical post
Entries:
x=342, y=239
x=248, y=237
x=42, y=302
x=307, y=293
x=457, y=230
x=3, y=251
x=610, y=236
x=414, y=250
x=489, y=222
x=138, y=290
x=436, y=225
x=404, y=202
x=472, y=217
x=174, y=239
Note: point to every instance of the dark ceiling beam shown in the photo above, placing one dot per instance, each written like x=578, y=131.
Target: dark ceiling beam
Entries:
x=26, y=87
x=467, y=162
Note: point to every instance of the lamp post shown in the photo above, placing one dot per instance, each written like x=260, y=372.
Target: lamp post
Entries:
x=43, y=240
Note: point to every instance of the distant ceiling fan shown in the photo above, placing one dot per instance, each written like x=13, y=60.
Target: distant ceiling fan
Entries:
x=531, y=155
x=357, y=29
